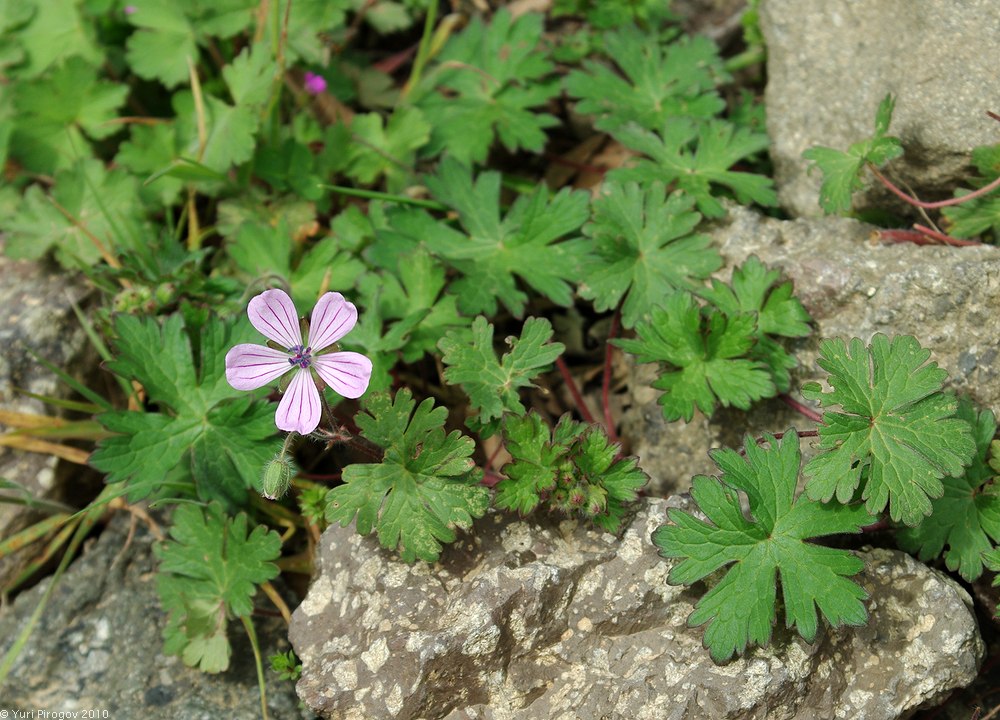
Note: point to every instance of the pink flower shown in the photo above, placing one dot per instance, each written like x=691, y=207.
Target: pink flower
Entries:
x=249, y=367
x=130, y=9
x=315, y=84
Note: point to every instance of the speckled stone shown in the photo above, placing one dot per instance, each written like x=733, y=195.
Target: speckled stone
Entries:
x=98, y=647
x=545, y=619
x=830, y=63
x=853, y=287
x=37, y=314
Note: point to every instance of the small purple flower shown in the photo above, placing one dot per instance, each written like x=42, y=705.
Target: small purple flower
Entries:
x=130, y=9
x=249, y=367
x=315, y=84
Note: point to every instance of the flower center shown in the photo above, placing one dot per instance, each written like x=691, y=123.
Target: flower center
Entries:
x=301, y=356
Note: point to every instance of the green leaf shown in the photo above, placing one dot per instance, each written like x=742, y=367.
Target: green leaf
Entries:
x=705, y=358
x=644, y=249
x=290, y=166
x=150, y=150
x=209, y=571
x=491, y=77
x=755, y=289
x=250, y=75
x=773, y=543
x=974, y=218
x=388, y=151
x=164, y=45
x=87, y=203
x=426, y=485
x=230, y=132
x=56, y=115
x=967, y=517
x=169, y=33
x=660, y=83
x=991, y=560
x=377, y=336
x=261, y=250
x=898, y=429
x=842, y=170
x=302, y=37
x=492, y=251
x=979, y=215
x=419, y=288
x=212, y=435
x=492, y=385
x=573, y=468
x=697, y=158
x=56, y=33
x=534, y=468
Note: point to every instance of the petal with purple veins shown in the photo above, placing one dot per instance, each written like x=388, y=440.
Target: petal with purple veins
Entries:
x=273, y=314
x=299, y=409
x=249, y=367
x=332, y=318
x=347, y=373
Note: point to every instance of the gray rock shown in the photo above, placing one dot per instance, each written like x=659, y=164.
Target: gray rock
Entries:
x=98, y=646
x=830, y=62
x=37, y=315
x=853, y=287
x=546, y=619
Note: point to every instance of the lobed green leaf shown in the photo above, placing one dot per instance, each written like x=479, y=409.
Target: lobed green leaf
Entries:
x=774, y=542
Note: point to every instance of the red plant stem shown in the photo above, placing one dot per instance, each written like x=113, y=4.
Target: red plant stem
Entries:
x=941, y=237
x=778, y=436
x=882, y=524
x=904, y=236
x=609, y=421
x=800, y=408
x=923, y=235
x=993, y=115
x=574, y=390
x=493, y=456
x=931, y=205
x=490, y=478
x=392, y=63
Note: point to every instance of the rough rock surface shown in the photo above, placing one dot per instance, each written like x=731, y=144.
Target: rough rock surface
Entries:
x=37, y=315
x=542, y=619
x=853, y=287
x=830, y=62
x=98, y=646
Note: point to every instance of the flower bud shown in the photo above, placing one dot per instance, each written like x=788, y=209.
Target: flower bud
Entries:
x=597, y=500
x=276, y=478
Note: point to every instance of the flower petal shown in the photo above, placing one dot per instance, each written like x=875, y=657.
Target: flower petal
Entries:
x=299, y=409
x=332, y=318
x=347, y=373
x=249, y=367
x=273, y=314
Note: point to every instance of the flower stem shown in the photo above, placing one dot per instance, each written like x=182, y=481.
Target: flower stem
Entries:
x=342, y=434
x=287, y=444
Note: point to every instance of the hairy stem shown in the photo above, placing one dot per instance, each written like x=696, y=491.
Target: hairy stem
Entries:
x=342, y=434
